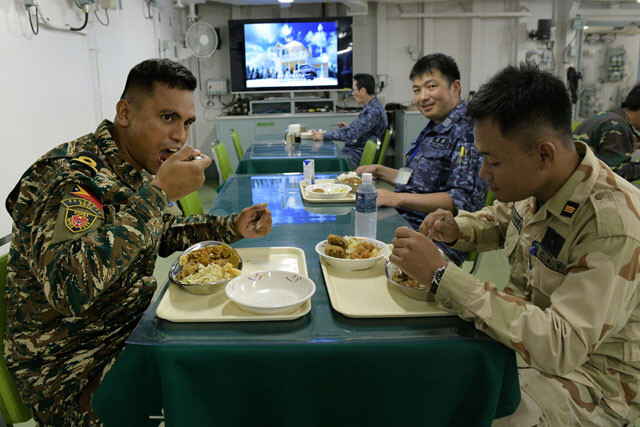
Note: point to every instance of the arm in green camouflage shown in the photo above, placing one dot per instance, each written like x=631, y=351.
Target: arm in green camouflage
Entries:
x=616, y=144
x=484, y=230
x=593, y=301
x=181, y=232
x=76, y=268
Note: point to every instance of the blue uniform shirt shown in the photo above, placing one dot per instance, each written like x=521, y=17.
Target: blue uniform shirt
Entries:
x=372, y=122
x=444, y=160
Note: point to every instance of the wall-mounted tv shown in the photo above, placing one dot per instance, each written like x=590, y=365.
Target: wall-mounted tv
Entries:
x=291, y=54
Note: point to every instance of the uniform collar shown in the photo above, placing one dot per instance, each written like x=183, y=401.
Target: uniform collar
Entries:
x=577, y=189
x=110, y=150
x=452, y=118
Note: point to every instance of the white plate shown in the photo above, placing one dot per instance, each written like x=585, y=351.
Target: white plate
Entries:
x=354, y=264
x=330, y=190
x=269, y=292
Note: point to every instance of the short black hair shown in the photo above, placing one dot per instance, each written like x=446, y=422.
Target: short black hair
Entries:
x=524, y=101
x=367, y=82
x=142, y=77
x=436, y=61
x=632, y=101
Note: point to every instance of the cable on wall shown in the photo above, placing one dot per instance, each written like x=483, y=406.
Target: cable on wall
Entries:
x=106, y=13
x=37, y=29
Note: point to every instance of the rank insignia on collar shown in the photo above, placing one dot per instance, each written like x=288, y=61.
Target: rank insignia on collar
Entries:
x=569, y=209
x=80, y=214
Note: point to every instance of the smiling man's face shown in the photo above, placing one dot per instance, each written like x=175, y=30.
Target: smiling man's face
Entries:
x=434, y=96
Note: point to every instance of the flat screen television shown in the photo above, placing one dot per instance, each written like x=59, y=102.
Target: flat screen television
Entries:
x=291, y=54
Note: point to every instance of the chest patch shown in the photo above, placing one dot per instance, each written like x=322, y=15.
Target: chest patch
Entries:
x=569, y=209
x=440, y=142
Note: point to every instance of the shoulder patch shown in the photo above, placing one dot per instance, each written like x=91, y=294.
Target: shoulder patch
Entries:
x=80, y=214
x=569, y=209
x=88, y=161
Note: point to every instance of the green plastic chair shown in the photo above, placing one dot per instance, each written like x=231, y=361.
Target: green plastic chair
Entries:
x=191, y=204
x=369, y=153
x=11, y=406
x=383, y=147
x=222, y=162
x=236, y=142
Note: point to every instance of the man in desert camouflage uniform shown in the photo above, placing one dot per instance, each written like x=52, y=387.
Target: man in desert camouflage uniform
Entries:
x=613, y=135
x=89, y=220
x=443, y=163
x=571, y=230
x=371, y=123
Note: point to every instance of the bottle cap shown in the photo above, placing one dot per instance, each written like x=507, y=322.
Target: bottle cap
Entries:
x=366, y=177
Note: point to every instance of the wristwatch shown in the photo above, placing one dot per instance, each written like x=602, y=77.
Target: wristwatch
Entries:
x=435, y=279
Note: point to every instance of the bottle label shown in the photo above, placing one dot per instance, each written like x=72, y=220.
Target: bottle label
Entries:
x=366, y=202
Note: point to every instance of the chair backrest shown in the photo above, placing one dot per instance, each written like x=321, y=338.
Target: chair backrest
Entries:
x=383, y=148
x=236, y=142
x=191, y=204
x=369, y=153
x=222, y=161
x=574, y=125
x=11, y=406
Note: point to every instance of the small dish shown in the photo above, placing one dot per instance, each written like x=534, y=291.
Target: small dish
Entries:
x=201, y=288
x=348, y=264
x=420, y=292
x=351, y=179
x=270, y=292
x=327, y=190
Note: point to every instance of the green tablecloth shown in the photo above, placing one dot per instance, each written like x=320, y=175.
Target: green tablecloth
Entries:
x=275, y=165
x=321, y=369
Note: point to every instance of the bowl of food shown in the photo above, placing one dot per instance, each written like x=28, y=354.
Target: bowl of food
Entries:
x=327, y=190
x=352, y=253
x=270, y=292
x=206, y=267
x=407, y=285
x=351, y=179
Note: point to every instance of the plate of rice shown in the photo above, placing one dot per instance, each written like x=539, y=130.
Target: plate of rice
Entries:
x=206, y=267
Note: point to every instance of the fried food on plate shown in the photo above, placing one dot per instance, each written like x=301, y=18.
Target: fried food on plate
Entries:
x=336, y=240
x=364, y=250
x=335, y=251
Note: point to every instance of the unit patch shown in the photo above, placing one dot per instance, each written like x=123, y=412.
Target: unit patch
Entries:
x=569, y=209
x=440, y=142
x=82, y=211
x=516, y=219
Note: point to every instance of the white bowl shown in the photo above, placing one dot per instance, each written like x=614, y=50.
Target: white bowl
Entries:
x=270, y=292
x=330, y=190
x=354, y=264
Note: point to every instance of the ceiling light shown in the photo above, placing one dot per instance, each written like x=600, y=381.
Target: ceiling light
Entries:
x=291, y=1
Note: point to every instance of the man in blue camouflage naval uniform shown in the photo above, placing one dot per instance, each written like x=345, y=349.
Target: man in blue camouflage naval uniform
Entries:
x=443, y=161
x=371, y=123
x=89, y=221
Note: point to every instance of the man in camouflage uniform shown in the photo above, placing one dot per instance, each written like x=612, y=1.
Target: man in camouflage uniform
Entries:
x=371, y=123
x=613, y=135
x=443, y=162
x=571, y=230
x=89, y=221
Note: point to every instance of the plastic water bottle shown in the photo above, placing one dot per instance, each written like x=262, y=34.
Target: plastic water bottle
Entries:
x=366, y=208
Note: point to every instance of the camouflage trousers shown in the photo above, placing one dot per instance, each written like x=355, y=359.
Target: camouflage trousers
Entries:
x=551, y=401
x=68, y=410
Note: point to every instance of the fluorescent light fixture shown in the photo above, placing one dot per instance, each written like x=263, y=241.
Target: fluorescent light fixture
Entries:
x=291, y=1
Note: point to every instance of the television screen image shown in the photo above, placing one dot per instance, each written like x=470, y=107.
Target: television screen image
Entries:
x=273, y=55
x=291, y=53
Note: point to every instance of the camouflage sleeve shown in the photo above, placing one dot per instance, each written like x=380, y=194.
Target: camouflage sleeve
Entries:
x=362, y=126
x=629, y=170
x=594, y=300
x=462, y=182
x=181, y=232
x=616, y=145
x=484, y=230
x=81, y=248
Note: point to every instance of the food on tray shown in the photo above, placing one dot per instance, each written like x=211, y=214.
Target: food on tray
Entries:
x=349, y=178
x=334, y=239
x=318, y=190
x=209, y=264
x=335, y=251
x=404, y=279
x=352, y=248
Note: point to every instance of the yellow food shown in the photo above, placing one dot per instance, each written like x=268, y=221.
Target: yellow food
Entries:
x=354, y=248
x=209, y=264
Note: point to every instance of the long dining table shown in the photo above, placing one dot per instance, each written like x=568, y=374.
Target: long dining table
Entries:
x=320, y=369
x=278, y=156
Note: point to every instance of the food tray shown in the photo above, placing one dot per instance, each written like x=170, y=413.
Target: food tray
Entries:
x=308, y=197
x=178, y=305
x=368, y=294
